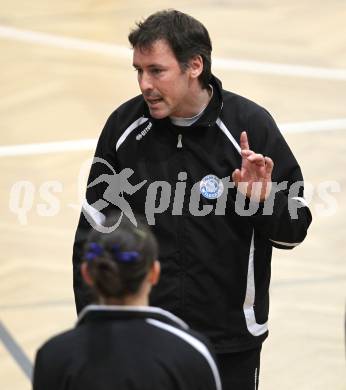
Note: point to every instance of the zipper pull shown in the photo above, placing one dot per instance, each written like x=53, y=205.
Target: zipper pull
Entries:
x=180, y=144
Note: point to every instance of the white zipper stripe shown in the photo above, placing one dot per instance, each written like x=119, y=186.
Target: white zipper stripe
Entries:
x=228, y=134
x=180, y=143
x=198, y=345
x=248, y=307
x=129, y=130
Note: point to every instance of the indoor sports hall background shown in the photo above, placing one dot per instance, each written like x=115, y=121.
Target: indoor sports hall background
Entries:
x=66, y=65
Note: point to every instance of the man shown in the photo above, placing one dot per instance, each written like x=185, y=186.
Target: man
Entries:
x=182, y=138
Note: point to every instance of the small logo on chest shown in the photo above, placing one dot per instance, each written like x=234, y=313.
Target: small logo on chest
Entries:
x=211, y=187
x=144, y=132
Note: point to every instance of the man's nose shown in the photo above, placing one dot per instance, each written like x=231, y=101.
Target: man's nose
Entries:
x=145, y=82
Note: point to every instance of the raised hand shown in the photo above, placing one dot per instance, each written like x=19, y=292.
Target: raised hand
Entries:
x=253, y=179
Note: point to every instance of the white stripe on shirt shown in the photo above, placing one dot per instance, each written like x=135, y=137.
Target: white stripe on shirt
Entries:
x=198, y=345
x=129, y=130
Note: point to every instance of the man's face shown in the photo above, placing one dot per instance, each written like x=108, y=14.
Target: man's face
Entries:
x=165, y=87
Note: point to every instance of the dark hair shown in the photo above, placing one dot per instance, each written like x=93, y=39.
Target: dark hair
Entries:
x=186, y=36
x=119, y=261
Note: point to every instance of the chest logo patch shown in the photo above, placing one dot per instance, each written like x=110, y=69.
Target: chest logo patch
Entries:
x=144, y=132
x=211, y=187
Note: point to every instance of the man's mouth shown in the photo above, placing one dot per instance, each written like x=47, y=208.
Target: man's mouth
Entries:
x=152, y=102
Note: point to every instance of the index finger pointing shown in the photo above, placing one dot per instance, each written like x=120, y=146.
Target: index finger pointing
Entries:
x=244, y=144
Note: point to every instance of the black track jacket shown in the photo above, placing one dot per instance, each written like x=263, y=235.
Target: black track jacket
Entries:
x=128, y=348
x=215, y=258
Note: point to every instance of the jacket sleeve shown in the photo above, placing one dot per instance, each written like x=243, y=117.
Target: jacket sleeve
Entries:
x=210, y=379
x=95, y=208
x=285, y=217
x=43, y=378
x=37, y=380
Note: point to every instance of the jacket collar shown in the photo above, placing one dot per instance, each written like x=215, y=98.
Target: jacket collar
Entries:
x=212, y=112
x=113, y=312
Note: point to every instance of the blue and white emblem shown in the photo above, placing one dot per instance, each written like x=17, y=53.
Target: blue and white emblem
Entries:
x=211, y=187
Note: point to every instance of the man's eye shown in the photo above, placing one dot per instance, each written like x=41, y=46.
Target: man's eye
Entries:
x=156, y=71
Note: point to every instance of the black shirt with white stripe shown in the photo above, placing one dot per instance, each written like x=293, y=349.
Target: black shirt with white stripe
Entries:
x=215, y=247
x=125, y=347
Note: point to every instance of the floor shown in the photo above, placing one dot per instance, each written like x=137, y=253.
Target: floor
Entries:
x=66, y=65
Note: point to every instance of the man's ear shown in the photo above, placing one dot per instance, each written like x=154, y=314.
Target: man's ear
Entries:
x=85, y=274
x=196, y=66
x=154, y=273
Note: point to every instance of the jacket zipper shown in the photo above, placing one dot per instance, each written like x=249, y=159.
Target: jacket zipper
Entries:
x=182, y=282
x=180, y=143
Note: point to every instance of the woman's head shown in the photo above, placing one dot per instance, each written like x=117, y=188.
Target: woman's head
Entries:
x=121, y=264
